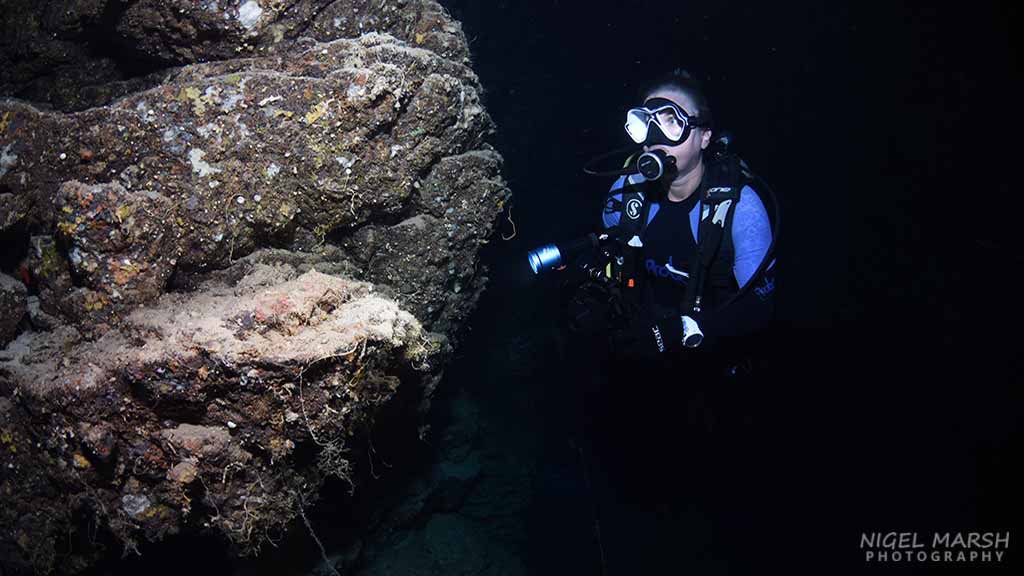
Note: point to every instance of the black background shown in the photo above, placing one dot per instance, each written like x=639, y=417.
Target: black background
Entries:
x=889, y=133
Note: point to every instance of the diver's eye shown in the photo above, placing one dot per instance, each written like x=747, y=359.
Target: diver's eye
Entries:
x=668, y=119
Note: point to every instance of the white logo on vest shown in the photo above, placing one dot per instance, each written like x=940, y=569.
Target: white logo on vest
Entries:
x=633, y=209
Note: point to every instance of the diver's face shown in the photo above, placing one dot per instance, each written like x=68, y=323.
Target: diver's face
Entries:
x=687, y=152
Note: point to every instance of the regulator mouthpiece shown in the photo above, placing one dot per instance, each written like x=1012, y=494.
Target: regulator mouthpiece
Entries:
x=656, y=164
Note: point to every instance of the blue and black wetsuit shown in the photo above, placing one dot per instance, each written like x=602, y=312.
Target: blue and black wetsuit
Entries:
x=670, y=240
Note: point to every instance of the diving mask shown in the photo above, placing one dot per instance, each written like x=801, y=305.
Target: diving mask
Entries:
x=672, y=124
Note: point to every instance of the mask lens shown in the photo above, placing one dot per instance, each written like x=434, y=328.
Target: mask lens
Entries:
x=671, y=125
x=637, y=120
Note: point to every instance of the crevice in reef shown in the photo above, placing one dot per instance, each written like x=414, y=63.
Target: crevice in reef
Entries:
x=72, y=65
x=15, y=242
x=337, y=236
x=78, y=278
x=103, y=41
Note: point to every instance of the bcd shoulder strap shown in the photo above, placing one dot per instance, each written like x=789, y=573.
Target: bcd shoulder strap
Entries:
x=726, y=178
x=635, y=209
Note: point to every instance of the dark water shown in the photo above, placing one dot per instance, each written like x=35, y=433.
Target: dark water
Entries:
x=887, y=397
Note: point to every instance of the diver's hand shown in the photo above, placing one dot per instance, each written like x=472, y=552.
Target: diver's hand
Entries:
x=646, y=340
x=669, y=333
x=636, y=342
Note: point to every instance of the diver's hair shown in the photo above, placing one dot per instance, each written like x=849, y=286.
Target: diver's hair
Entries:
x=686, y=83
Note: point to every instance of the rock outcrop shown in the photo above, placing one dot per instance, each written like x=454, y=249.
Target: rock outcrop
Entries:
x=224, y=408
x=79, y=54
x=225, y=276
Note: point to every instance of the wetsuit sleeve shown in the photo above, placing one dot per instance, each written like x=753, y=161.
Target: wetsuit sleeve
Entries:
x=612, y=213
x=751, y=235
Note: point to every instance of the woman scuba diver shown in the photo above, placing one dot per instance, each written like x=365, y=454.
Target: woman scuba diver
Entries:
x=684, y=261
x=688, y=241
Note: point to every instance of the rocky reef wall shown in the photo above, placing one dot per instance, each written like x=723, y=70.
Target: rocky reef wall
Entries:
x=216, y=273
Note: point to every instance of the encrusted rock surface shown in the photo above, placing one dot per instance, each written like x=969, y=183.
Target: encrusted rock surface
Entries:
x=282, y=151
x=224, y=408
x=116, y=241
x=232, y=268
x=220, y=30
x=78, y=54
x=13, y=307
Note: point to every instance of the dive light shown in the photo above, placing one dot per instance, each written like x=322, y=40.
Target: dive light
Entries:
x=552, y=256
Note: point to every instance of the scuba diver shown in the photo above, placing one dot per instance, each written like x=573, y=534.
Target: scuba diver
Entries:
x=704, y=234
x=665, y=305
x=686, y=256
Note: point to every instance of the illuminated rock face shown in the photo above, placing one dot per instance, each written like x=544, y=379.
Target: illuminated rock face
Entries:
x=81, y=54
x=223, y=277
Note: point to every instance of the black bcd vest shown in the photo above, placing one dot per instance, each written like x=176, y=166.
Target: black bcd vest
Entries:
x=712, y=280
